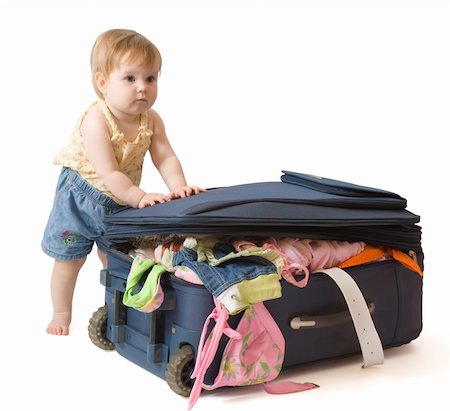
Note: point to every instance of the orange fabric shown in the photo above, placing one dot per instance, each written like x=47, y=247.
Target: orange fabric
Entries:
x=367, y=255
x=405, y=259
x=370, y=254
x=171, y=246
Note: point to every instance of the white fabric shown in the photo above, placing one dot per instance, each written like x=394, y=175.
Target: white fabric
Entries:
x=369, y=340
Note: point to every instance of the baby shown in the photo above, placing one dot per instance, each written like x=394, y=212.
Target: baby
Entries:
x=102, y=164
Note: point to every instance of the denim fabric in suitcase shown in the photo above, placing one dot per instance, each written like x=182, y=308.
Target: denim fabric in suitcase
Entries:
x=314, y=320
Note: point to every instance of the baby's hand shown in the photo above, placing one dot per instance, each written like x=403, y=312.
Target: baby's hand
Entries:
x=185, y=191
x=152, y=198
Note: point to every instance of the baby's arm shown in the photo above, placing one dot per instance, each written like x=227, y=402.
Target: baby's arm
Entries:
x=166, y=161
x=99, y=150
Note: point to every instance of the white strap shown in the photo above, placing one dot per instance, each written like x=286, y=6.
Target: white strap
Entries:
x=369, y=340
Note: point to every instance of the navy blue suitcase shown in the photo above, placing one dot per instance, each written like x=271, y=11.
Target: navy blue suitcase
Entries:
x=165, y=341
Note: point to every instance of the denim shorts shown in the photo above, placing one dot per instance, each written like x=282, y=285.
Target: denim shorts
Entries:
x=219, y=277
x=76, y=220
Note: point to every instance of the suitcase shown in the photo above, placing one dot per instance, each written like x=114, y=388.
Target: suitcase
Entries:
x=165, y=341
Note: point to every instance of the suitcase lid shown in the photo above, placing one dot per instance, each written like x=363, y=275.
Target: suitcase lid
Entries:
x=300, y=207
x=341, y=188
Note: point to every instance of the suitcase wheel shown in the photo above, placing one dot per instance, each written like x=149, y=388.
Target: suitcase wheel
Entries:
x=179, y=370
x=97, y=329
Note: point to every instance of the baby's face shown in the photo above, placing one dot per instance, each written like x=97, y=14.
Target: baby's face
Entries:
x=131, y=87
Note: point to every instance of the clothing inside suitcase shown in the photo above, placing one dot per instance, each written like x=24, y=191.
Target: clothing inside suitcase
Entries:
x=300, y=206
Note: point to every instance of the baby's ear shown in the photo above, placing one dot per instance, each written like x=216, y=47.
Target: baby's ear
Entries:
x=100, y=81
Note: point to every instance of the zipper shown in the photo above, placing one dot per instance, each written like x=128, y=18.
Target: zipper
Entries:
x=413, y=255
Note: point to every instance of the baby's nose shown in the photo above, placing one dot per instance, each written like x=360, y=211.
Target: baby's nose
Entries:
x=140, y=86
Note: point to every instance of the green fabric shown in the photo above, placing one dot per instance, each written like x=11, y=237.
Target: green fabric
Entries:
x=148, y=291
x=265, y=287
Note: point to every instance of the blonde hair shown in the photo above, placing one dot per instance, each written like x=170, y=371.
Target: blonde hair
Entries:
x=111, y=46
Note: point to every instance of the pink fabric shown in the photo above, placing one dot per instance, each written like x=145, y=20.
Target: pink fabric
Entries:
x=188, y=275
x=206, y=352
x=148, y=252
x=253, y=355
x=288, y=387
x=306, y=256
x=256, y=355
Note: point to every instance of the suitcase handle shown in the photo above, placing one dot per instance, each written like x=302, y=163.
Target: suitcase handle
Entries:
x=326, y=320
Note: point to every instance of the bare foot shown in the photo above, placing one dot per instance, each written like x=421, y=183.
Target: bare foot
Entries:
x=59, y=325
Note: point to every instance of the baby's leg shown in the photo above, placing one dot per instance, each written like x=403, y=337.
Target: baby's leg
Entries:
x=103, y=259
x=62, y=286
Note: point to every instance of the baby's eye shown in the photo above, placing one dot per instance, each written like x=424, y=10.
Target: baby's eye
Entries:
x=151, y=79
x=130, y=78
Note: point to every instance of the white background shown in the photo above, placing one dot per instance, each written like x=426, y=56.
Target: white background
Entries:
x=356, y=91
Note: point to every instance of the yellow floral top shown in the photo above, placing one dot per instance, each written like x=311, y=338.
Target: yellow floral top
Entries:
x=129, y=155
